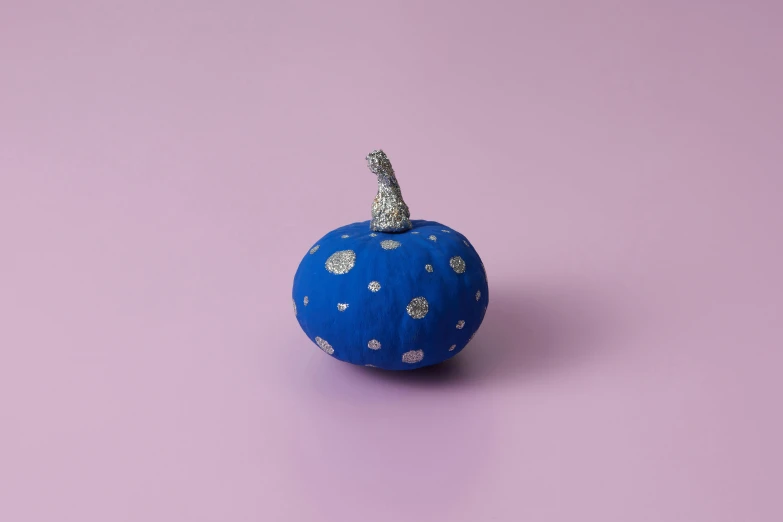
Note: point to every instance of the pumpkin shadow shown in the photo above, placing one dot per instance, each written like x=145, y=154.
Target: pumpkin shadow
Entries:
x=526, y=332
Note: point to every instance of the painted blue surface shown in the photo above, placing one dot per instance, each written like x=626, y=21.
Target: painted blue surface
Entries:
x=382, y=315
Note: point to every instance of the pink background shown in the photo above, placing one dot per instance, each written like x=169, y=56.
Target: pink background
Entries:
x=165, y=165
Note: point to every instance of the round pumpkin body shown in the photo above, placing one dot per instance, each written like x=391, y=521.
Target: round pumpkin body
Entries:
x=395, y=301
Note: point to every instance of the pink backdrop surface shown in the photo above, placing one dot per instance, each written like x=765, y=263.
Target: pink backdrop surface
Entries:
x=164, y=166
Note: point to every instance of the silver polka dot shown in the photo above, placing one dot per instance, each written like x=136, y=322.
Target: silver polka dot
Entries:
x=374, y=286
x=432, y=238
x=466, y=242
x=325, y=346
x=458, y=264
x=478, y=295
x=315, y=249
x=428, y=268
x=294, y=303
x=342, y=306
x=413, y=356
x=306, y=300
x=451, y=348
x=374, y=344
x=390, y=244
x=414, y=232
x=341, y=262
x=446, y=231
x=418, y=307
x=344, y=236
x=460, y=324
x=373, y=234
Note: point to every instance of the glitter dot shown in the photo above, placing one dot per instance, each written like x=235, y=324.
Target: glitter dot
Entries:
x=344, y=236
x=390, y=244
x=325, y=346
x=451, y=348
x=374, y=286
x=428, y=268
x=466, y=242
x=374, y=344
x=370, y=366
x=432, y=238
x=460, y=324
x=342, y=306
x=478, y=295
x=315, y=249
x=414, y=232
x=458, y=264
x=306, y=300
x=294, y=303
x=413, y=356
x=446, y=231
x=341, y=262
x=373, y=234
x=418, y=307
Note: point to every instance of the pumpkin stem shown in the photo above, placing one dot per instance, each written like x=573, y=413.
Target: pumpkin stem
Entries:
x=389, y=211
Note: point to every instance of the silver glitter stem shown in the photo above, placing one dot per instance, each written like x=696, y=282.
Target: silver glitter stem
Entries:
x=389, y=211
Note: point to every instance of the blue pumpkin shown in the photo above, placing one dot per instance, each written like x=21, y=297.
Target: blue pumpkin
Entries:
x=391, y=293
